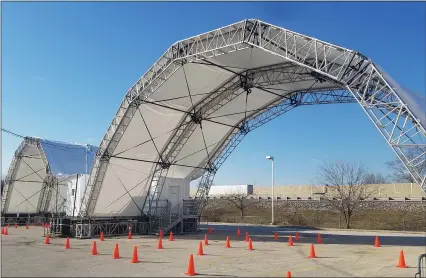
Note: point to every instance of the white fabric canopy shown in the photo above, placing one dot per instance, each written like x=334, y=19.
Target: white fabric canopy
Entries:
x=177, y=119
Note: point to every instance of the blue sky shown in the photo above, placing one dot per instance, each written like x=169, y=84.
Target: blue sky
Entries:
x=66, y=67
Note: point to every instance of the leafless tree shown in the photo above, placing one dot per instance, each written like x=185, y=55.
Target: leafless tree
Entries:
x=399, y=172
x=375, y=178
x=239, y=200
x=346, y=186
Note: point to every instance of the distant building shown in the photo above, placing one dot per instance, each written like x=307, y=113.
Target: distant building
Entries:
x=223, y=190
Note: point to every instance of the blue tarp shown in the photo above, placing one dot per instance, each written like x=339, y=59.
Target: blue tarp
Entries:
x=68, y=159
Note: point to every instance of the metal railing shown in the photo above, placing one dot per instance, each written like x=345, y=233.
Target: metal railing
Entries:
x=171, y=218
x=190, y=207
x=421, y=267
x=22, y=221
x=89, y=230
x=156, y=221
x=167, y=219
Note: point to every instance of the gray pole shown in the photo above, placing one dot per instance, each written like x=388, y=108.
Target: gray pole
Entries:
x=273, y=221
x=271, y=158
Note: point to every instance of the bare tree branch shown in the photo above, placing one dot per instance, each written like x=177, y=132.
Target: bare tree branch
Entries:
x=347, y=185
x=239, y=200
x=399, y=172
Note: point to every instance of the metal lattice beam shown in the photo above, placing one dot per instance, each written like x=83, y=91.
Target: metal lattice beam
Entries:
x=267, y=113
x=391, y=116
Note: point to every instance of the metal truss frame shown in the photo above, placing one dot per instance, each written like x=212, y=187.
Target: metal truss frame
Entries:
x=23, y=220
x=11, y=175
x=88, y=229
x=50, y=183
x=267, y=113
x=391, y=116
x=344, y=69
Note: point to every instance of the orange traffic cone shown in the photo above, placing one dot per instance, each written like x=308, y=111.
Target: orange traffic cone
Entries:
x=312, y=254
x=130, y=235
x=191, y=267
x=288, y=274
x=210, y=230
x=247, y=237
x=116, y=254
x=290, y=241
x=228, y=242
x=206, y=240
x=401, y=261
x=297, y=236
x=94, y=249
x=200, y=249
x=26, y=227
x=2, y=231
x=171, y=238
x=6, y=232
x=276, y=236
x=377, y=242
x=160, y=243
x=67, y=243
x=238, y=232
x=250, y=245
x=135, y=258
x=319, y=239
x=101, y=237
x=47, y=240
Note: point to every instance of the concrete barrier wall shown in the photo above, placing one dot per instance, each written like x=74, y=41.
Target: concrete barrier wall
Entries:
x=398, y=190
x=417, y=207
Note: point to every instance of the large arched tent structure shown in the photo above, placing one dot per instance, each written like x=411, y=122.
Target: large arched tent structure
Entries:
x=43, y=176
x=183, y=118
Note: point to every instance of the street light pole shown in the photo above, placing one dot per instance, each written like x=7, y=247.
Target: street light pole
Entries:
x=271, y=158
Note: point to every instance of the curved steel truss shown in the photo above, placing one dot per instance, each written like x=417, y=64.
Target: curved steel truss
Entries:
x=325, y=73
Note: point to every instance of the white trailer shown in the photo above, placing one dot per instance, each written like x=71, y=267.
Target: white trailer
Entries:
x=222, y=190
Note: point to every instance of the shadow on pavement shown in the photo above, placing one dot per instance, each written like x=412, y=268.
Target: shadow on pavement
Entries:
x=306, y=235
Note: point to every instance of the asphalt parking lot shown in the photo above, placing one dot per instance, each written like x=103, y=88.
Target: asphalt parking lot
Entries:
x=342, y=254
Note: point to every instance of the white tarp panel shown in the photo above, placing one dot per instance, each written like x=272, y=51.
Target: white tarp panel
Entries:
x=125, y=188
x=59, y=197
x=156, y=122
x=28, y=182
x=76, y=185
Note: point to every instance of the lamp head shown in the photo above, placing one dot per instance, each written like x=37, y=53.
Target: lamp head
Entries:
x=270, y=157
